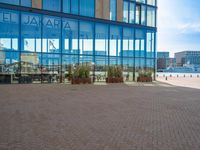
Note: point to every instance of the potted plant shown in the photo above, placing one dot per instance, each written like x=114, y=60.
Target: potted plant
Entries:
x=115, y=74
x=145, y=76
x=81, y=75
x=118, y=74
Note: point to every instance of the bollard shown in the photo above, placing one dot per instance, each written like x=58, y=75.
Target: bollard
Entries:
x=166, y=78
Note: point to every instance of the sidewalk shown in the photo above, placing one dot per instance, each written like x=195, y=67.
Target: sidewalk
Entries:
x=191, y=82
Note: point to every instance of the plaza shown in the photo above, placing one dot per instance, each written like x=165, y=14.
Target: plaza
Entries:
x=140, y=116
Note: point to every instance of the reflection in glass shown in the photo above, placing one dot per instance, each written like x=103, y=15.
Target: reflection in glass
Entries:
x=51, y=34
x=86, y=38
x=113, y=11
x=138, y=14
x=51, y=68
x=31, y=32
x=125, y=12
x=101, y=39
x=151, y=16
x=132, y=13
x=53, y=5
x=87, y=8
x=115, y=41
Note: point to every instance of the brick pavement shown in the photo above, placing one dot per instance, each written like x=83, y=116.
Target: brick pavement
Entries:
x=99, y=117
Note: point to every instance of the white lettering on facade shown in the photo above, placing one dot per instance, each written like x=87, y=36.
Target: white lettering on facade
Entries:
x=30, y=20
x=7, y=17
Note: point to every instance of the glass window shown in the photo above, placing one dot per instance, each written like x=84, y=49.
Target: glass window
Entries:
x=27, y=3
x=9, y=54
x=151, y=16
x=150, y=44
x=132, y=13
x=101, y=63
x=101, y=39
x=53, y=5
x=66, y=6
x=125, y=12
x=138, y=14
x=139, y=43
x=15, y=2
x=113, y=10
x=150, y=64
x=87, y=8
x=70, y=36
x=9, y=63
x=128, y=72
x=74, y=6
x=51, y=34
x=115, y=61
x=68, y=63
x=151, y=2
x=115, y=41
x=86, y=60
x=86, y=38
x=9, y=27
x=51, y=71
x=31, y=32
x=30, y=67
x=128, y=42
x=141, y=1
x=143, y=15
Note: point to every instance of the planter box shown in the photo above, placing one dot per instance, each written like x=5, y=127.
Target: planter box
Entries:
x=114, y=80
x=144, y=79
x=81, y=81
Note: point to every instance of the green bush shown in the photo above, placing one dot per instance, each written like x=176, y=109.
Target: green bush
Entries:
x=110, y=71
x=143, y=73
x=118, y=72
x=115, y=71
x=81, y=72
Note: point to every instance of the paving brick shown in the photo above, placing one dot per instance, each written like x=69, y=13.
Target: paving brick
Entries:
x=99, y=117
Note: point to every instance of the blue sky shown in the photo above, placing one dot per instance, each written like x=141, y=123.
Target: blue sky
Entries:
x=178, y=25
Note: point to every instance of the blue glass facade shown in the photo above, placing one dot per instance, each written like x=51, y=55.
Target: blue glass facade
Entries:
x=113, y=10
x=42, y=47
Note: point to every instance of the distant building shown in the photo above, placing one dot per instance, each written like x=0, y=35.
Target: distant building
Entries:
x=162, y=60
x=162, y=54
x=172, y=62
x=188, y=58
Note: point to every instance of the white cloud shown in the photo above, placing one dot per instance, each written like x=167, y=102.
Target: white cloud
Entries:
x=178, y=25
x=188, y=28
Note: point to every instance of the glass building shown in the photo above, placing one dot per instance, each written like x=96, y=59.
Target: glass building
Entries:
x=188, y=58
x=41, y=40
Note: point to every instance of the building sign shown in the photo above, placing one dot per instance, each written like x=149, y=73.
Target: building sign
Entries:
x=9, y=17
x=30, y=20
x=48, y=22
x=33, y=20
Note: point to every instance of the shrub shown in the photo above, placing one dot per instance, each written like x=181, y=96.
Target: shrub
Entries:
x=143, y=73
x=110, y=71
x=81, y=72
x=115, y=71
x=118, y=72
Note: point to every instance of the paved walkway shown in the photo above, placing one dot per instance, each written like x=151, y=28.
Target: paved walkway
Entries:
x=191, y=82
x=99, y=117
